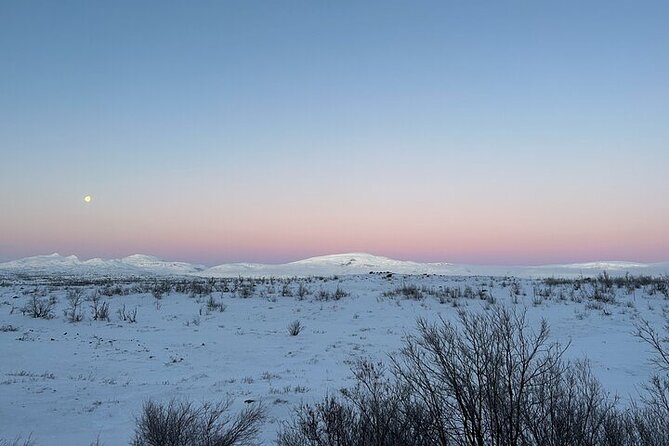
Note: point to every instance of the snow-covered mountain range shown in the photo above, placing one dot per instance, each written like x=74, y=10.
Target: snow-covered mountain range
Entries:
x=338, y=264
x=138, y=264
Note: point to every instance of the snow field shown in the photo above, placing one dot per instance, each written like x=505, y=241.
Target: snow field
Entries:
x=70, y=382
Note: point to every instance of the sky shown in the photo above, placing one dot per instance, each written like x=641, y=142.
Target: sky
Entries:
x=512, y=132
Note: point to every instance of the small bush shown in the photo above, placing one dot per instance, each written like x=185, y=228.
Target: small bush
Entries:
x=410, y=291
x=183, y=424
x=39, y=307
x=159, y=289
x=657, y=397
x=295, y=328
x=246, y=290
x=99, y=308
x=127, y=316
x=302, y=291
x=18, y=441
x=73, y=311
x=339, y=293
x=324, y=295
x=377, y=411
x=336, y=295
x=213, y=304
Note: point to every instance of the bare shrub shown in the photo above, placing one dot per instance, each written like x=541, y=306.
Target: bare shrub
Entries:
x=73, y=311
x=377, y=411
x=39, y=307
x=571, y=408
x=475, y=379
x=657, y=390
x=302, y=291
x=338, y=294
x=603, y=287
x=213, y=304
x=161, y=288
x=408, y=291
x=195, y=321
x=183, y=424
x=18, y=441
x=659, y=343
x=488, y=380
x=99, y=308
x=246, y=289
x=637, y=426
x=324, y=295
x=127, y=316
x=113, y=290
x=295, y=328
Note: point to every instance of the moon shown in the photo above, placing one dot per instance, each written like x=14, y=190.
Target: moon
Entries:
x=88, y=199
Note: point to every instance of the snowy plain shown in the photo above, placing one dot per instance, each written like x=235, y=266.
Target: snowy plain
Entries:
x=227, y=338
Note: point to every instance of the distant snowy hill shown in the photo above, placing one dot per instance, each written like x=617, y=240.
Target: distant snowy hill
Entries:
x=71, y=265
x=361, y=263
x=338, y=264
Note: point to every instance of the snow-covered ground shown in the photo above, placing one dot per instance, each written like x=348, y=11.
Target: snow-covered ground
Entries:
x=70, y=382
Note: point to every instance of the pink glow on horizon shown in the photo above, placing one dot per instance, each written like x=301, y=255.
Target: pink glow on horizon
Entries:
x=482, y=226
x=271, y=247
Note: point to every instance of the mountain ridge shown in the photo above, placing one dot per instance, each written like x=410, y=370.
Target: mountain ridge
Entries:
x=326, y=265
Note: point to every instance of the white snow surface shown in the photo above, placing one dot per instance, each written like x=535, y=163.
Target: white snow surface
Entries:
x=338, y=264
x=67, y=383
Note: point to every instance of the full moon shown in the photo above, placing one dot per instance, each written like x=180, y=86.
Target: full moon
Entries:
x=87, y=198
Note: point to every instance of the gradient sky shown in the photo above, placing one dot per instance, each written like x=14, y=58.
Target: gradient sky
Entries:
x=517, y=132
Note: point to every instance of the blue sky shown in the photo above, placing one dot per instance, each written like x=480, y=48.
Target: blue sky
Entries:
x=505, y=132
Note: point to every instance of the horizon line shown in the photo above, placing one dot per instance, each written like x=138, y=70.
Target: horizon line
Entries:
x=352, y=253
